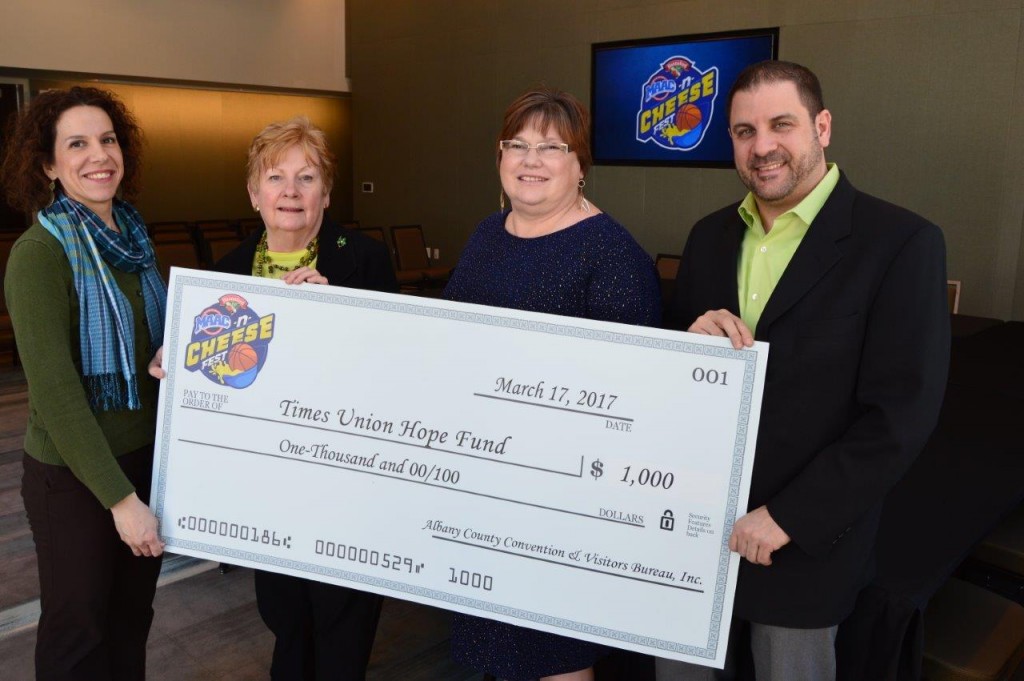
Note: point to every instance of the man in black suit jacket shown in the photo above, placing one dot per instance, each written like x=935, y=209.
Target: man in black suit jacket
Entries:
x=849, y=291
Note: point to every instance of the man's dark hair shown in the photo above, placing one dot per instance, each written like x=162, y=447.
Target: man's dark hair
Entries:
x=807, y=85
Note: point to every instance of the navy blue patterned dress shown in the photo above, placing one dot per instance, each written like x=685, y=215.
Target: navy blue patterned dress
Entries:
x=593, y=269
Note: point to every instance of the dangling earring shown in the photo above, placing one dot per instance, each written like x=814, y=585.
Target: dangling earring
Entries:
x=53, y=185
x=501, y=201
x=584, y=204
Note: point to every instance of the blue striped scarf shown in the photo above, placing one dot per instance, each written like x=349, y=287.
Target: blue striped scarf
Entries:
x=106, y=327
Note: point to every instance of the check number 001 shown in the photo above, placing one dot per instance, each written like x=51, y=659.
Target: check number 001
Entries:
x=712, y=376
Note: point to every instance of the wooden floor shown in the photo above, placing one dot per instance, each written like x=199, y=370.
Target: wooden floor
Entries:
x=206, y=625
x=18, y=580
x=207, y=628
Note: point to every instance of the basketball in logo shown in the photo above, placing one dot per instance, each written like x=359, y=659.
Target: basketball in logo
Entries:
x=242, y=357
x=688, y=118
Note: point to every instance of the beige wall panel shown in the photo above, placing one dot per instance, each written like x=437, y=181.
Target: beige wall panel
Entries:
x=197, y=143
x=279, y=43
x=1010, y=193
x=620, y=191
x=926, y=134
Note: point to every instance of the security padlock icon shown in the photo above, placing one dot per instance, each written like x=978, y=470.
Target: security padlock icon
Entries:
x=668, y=522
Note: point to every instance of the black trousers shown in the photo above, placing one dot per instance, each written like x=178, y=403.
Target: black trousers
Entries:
x=96, y=597
x=323, y=632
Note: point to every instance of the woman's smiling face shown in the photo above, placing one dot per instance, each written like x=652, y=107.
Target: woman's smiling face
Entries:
x=87, y=158
x=540, y=185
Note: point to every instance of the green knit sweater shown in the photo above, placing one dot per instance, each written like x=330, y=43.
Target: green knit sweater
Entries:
x=62, y=428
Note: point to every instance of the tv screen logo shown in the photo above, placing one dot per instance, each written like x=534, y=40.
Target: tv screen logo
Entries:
x=676, y=105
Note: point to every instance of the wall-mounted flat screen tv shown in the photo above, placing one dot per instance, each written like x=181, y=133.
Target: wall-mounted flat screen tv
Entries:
x=662, y=101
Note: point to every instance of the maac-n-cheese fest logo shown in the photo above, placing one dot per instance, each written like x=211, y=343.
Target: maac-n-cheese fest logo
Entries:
x=676, y=104
x=229, y=342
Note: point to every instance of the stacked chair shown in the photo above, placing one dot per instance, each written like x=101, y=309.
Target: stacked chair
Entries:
x=249, y=225
x=378, y=234
x=412, y=264
x=217, y=238
x=197, y=245
x=953, y=295
x=667, y=266
x=175, y=245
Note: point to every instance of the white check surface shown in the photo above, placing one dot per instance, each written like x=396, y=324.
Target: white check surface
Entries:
x=572, y=476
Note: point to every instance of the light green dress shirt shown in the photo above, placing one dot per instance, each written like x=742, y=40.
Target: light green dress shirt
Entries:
x=764, y=257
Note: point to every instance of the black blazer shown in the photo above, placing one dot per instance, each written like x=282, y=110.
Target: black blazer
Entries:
x=858, y=328
x=362, y=262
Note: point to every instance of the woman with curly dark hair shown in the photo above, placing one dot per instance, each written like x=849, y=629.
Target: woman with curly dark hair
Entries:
x=87, y=305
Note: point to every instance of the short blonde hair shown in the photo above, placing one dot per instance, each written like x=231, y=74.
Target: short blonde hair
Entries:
x=276, y=139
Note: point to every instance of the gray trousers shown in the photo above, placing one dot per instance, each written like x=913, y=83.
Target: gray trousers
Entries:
x=780, y=654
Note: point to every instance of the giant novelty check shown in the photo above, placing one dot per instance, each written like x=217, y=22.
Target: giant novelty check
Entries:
x=573, y=476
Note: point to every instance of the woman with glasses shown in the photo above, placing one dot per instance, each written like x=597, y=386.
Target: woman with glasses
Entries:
x=553, y=251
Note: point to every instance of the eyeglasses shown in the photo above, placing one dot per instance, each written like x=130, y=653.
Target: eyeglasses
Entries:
x=519, y=148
